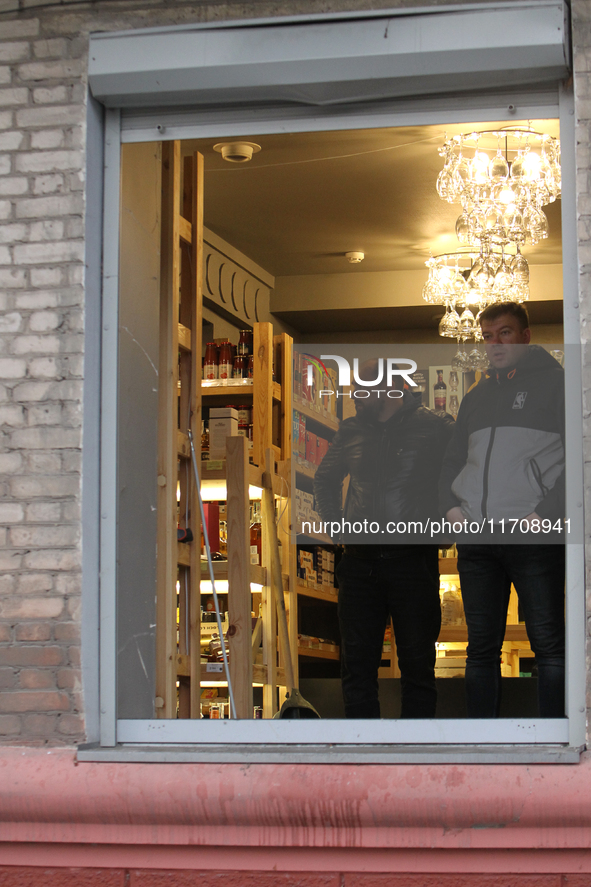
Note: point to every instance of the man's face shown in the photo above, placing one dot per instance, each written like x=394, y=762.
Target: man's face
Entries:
x=505, y=341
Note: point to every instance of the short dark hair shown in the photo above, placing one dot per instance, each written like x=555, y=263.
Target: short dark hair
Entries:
x=493, y=312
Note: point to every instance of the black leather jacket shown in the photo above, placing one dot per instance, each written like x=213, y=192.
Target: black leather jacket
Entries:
x=393, y=470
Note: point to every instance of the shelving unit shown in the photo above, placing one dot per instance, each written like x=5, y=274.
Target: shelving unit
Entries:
x=181, y=579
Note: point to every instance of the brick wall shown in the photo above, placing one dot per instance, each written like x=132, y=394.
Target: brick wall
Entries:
x=43, y=52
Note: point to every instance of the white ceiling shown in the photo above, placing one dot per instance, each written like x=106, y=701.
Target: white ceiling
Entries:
x=307, y=198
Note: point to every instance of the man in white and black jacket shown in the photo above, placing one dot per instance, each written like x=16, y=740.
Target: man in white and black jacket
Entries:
x=505, y=463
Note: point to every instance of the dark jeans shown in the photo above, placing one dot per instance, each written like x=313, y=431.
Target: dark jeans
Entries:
x=537, y=572
x=405, y=585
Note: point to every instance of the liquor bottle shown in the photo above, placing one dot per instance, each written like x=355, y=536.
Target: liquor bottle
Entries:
x=204, y=440
x=440, y=392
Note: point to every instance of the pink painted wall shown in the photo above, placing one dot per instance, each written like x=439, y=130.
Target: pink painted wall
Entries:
x=313, y=823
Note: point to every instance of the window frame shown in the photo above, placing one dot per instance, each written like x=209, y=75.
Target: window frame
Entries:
x=462, y=740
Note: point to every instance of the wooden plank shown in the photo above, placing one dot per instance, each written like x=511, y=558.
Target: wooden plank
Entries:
x=269, y=613
x=262, y=400
x=239, y=601
x=315, y=416
x=319, y=654
x=286, y=350
x=321, y=594
x=166, y=567
x=184, y=337
x=459, y=633
x=184, y=554
x=182, y=445
x=185, y=230
x=195, y=424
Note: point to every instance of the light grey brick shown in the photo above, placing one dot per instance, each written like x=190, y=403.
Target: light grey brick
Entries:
x=12, y=278
x=27, y=392
x=61, y=70
x=11, y=322
x=44, y=414
x=49, y=229
x=44, y=321
x=47, y=95
x=41, y=299
x=44, y=486
x=5, y=75
x=21, y=28
x=14, y=52
x=46, y=161
x=40, y=462
x=56, y=47
x=35, y=345
x=44, y=368
x=51, y=560
x=57, y=205
x=10, y=463
x=48, y=138
x=42, y=253
x=15, y=185
x=5, y=257
x=11, y=512
x=42, y=537
x=43, y=512
x=45, y=438
x=51, y=115
x=12, y=368
x=46, y=277
x=12, y=233
x=5, y=165
x=15, y=96
x=47, y=184
x=6, y=119
x=11, y=141
x=12, y=414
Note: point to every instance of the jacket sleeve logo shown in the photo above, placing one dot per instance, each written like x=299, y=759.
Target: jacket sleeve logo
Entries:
x=519, y=400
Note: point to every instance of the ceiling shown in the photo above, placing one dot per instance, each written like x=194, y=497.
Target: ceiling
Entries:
x=307, y=198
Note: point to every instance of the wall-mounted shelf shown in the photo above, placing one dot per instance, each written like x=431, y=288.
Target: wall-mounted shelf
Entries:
x=321, y=594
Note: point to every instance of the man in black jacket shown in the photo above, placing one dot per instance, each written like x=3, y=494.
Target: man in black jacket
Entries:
x=504, y=470
x=391, y=451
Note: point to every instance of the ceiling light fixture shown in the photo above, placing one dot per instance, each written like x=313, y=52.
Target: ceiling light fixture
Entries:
x=502, y=179
x=237, y=152
x=355, y=257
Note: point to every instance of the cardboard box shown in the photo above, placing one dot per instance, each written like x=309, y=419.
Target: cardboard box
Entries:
x=223, y=423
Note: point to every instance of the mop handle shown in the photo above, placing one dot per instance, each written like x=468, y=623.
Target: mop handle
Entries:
x=210, y=566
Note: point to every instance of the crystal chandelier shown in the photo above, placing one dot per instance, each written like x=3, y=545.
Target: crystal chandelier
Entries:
x=502, y=179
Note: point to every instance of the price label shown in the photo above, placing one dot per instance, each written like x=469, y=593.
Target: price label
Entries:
x=215, y=667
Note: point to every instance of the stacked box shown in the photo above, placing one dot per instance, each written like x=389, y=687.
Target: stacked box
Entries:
x=223, y=423
x=311, y=447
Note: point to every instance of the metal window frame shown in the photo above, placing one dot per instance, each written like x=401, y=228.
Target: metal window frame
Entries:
x=325, y=741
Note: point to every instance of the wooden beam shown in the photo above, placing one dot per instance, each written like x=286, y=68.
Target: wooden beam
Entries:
x=185, y=230
x=195, y=423
x=262, y=397
x=166, y=568
x=239, y=601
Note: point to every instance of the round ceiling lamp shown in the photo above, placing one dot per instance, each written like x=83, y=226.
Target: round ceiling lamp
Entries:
x=237, y=152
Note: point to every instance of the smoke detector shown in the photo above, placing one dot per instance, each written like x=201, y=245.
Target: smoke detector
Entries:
x=237, y=152
x=355, y=257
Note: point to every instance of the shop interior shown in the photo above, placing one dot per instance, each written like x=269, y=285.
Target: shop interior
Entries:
x=324, y=236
